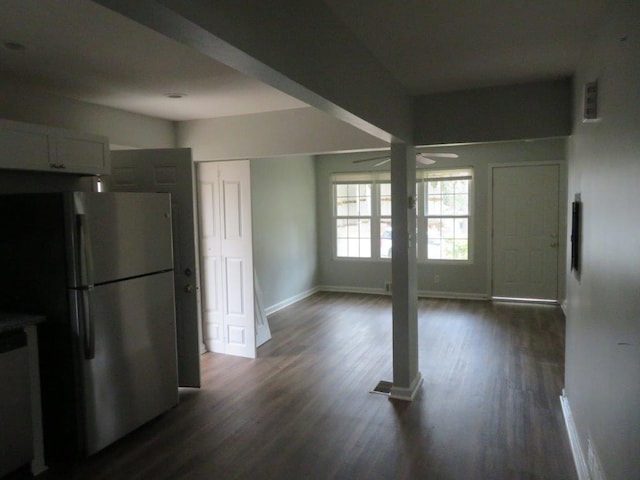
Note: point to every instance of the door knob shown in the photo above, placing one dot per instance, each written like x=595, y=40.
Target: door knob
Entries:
x=188, y=288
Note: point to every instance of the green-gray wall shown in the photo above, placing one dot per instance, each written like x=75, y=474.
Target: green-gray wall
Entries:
x=465, y=281
x=602, y=374
x=283, y=202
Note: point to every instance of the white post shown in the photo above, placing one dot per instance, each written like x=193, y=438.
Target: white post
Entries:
x=406, y=377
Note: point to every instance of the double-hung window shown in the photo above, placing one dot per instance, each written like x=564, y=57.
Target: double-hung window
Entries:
x=444, y=223
x=353, y=218
x=362, y=215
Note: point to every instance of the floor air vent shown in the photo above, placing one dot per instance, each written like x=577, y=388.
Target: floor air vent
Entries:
x=383, y=388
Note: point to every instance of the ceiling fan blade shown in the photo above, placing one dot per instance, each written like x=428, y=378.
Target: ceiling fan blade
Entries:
x=438, y=155
x=387, y=160
x=362, y=160
x=424, y=160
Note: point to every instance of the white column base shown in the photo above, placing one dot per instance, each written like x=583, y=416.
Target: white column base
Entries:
x=407, y=394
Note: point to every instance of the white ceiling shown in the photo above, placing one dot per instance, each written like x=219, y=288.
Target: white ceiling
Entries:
x=82, y=50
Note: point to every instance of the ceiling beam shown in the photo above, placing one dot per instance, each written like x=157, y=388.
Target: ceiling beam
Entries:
x=300, y=48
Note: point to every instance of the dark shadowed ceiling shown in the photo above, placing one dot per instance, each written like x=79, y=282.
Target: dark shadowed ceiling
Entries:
x=82, y=50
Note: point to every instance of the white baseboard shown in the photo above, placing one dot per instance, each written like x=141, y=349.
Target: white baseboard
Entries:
x=290, y=301
x=367, y=291
x=407, y=394
x=452, y=295
x=574, y=440
x=343, y=289
x=421, y=293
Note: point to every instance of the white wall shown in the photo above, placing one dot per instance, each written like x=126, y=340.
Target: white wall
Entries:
x=467, y=281
x=602, y=374
x=123, y=128
x=283, y=202
x=296, y=131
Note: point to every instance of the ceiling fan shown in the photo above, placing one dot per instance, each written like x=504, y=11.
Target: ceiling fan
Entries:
x=422, y=158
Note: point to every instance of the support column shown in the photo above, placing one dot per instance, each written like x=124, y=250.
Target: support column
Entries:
x=406, y=377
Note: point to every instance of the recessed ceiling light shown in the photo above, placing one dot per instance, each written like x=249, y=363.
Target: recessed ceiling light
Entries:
x=15, y=46
x=176, y=95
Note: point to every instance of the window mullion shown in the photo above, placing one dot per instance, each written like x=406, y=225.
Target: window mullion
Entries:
x=421, y=224
x=375, y=222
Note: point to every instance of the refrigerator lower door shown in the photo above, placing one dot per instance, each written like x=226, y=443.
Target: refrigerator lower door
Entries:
x=131, y=376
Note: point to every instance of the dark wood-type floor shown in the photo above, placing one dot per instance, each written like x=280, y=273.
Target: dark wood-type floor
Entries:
x=488, y=408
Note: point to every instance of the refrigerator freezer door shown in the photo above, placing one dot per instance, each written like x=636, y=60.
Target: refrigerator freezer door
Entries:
x=118, y=235
x=132, y=376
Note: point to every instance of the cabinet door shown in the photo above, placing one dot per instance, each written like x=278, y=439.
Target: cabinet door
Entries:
x=26, y=147
x=82, y=153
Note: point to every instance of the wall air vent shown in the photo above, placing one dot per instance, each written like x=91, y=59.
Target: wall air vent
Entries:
x=590, y=112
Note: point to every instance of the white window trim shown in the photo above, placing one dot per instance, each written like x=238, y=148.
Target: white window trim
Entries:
x=376, y=178
x=422, y=247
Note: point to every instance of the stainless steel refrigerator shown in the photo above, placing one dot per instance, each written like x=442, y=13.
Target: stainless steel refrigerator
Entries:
x=99, y=266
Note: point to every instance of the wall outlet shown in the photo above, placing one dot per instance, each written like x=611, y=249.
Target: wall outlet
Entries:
x=387, y=286
x=593, y=464
x=436, y=278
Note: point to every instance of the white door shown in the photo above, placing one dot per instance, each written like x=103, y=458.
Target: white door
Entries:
x=170, y=170
x=226, y=257
x=525, y=231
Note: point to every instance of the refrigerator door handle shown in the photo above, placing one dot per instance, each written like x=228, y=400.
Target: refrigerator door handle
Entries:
x=85, y=255
x=85, y=267
x=87, y=325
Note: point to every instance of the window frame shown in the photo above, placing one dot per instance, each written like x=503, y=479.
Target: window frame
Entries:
x=376, y=179
x=431, y=174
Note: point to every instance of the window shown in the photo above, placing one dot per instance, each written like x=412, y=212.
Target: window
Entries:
x=362, y=215
x=353, y=219
x=445, y=215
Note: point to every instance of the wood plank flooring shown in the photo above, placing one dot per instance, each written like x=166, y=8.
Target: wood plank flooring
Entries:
x=488, y=409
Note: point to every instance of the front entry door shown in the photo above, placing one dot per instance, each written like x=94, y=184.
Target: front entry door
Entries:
x=170, y=170
x=525, y=231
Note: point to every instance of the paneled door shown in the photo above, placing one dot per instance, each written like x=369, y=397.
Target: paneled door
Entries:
x=226, y=257
x=525, y=231
x=172, y=171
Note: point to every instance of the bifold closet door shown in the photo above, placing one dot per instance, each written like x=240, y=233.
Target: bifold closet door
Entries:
x=226, y=257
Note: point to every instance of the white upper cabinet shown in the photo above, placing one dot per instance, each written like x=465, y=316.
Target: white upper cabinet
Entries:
x=34, y=147
x=82, y=153
x=24, y=146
